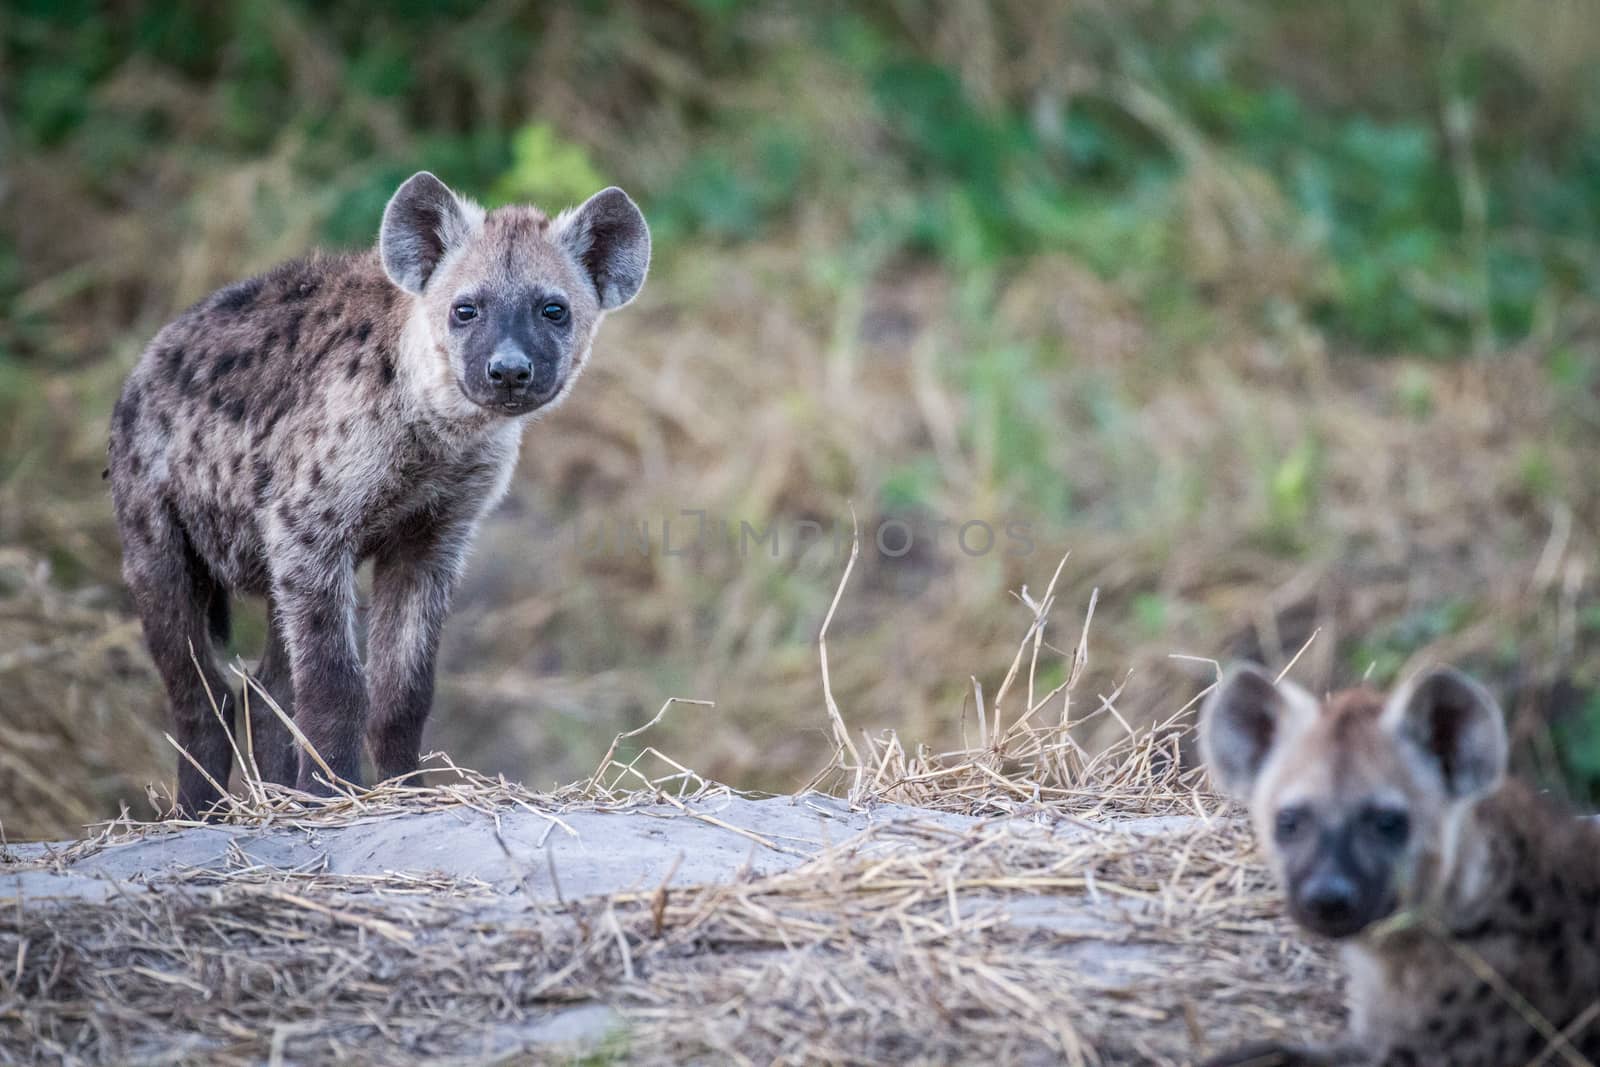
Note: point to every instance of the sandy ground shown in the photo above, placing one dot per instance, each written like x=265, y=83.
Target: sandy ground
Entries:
x=560, y=869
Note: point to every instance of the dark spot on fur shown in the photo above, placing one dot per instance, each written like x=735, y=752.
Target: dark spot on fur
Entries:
x=172, y=359
x=330, y=515
x=238, y=297
x=186, y=381
x=237, y=464
x=234, y=409
x=344, y=427
x=316, y=474
x=224, y=366
x=363, y=331
x=135, y=464
x=352, y=368
x=323, y=315
x=195, y=438
x=291, y=337
x=1520, y=899
x=1449, y=996
x=386, y=371
x=128, y=411
x=165, y=422
x=263, y=480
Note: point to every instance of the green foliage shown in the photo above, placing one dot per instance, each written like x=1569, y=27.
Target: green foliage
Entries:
x=1373, y=177
x=547, y=169
x=1380, y=655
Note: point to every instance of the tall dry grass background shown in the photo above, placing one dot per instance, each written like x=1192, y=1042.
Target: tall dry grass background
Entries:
x=1280, y=319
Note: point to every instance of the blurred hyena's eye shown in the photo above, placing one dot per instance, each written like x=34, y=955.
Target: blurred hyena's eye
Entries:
x=464, y=312
x=1392, y=825
x=554, y=312
x=1290, y=823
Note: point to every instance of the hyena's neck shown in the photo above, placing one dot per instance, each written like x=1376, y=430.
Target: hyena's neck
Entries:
x=1487, y=847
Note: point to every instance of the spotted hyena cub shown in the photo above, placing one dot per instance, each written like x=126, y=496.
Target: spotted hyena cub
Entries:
x=1465, y=906
x=337, y=409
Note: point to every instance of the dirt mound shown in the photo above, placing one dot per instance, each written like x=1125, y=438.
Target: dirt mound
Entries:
x=482, y=923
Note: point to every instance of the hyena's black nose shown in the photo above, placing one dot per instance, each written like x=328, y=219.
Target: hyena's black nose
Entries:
x=1330, y=900
x=510, y=369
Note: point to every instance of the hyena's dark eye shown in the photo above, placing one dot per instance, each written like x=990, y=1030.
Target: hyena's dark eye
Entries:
x=554, y=312
x=1391, y=824
x=464, y=313
x=1290, y=823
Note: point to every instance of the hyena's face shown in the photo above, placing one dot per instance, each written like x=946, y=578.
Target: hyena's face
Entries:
x=507, y=302
x=1355, y=800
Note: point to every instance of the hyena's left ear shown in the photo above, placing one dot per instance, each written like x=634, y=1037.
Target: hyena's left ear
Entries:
x=609, y=237
x=1240, y=722
x=422, y=223
x=1455, y=724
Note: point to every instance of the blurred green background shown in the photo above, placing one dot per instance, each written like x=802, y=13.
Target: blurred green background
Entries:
x=1280, y=316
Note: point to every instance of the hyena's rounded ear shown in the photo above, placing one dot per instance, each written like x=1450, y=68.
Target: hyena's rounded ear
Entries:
x=1240, y=722
x=1456, y=725
x=423, y=222
x=607, y=234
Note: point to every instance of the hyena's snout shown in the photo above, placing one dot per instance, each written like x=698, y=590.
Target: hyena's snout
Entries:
x=510, y=369
x=518, y=376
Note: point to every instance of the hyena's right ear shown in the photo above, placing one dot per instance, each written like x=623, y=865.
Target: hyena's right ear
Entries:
x=423, y=222
x=1456, y=725
x=608, y=235
x=1240, y=722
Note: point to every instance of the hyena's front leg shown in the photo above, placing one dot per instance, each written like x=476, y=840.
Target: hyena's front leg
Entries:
x=315, y=598
x=411, y=592
x=272, y=747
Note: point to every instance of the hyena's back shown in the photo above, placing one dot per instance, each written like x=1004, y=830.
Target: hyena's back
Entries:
x=264, y=397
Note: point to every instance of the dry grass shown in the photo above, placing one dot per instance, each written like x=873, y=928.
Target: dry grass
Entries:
x=1159, y=936
x=773, y=382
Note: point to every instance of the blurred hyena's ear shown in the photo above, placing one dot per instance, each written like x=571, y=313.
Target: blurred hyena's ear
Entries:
x=422, y=224
x=609, y=236
x=1456, y=725
x=1241, y=720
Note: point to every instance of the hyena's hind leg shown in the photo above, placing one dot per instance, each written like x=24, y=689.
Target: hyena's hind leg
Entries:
x=184, y=610
x=273, y=747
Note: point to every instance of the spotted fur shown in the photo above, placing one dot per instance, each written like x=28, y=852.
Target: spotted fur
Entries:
x=333, y=411
x=1469, y=940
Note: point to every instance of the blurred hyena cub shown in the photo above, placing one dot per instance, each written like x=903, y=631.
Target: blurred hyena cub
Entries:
x=1466, y=907
x=338, y=409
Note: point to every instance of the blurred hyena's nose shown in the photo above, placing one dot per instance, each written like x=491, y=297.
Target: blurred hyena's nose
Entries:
x=1329, y=900
x=510, y=369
